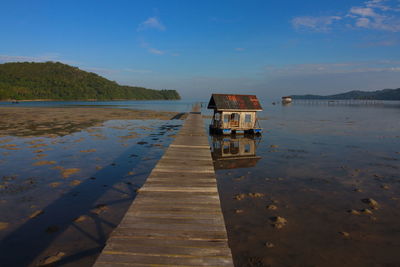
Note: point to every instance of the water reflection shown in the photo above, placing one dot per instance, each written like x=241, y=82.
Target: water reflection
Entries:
x=231, y=152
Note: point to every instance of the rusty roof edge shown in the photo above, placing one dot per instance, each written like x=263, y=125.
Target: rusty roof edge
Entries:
x=234, y=102
x=230, y=109
x=235, y=95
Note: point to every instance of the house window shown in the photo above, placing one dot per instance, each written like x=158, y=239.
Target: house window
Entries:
x=247, y=148
x=247, y=118
x=226, y=149
x=235, y=116
x=226, y=118
x=234, y=147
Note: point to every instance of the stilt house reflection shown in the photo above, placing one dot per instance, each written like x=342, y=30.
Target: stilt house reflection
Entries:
x=231, y=152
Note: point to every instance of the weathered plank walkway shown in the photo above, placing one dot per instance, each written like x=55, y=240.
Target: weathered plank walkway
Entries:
x=176, y=219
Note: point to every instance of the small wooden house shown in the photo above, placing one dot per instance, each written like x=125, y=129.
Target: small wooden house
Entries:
x=234, y=114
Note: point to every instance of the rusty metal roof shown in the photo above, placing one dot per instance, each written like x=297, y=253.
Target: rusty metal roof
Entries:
x=234, y=102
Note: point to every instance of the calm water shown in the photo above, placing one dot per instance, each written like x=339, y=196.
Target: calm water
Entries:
x=66, y=194
x=158, y=105
x=313, y=164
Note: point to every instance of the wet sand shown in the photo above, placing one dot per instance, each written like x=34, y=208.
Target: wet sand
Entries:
x=323, y=192
x=22, y=121
x=67, y=176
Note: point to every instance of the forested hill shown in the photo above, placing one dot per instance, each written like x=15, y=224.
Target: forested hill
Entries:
x=57, y=81
x=386, y=94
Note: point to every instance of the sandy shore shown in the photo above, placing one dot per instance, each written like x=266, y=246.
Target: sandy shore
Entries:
x=41, y=121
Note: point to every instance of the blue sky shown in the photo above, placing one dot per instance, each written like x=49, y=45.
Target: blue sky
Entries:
x=270, y=48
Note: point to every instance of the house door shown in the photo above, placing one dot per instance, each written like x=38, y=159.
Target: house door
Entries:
x=235, y=119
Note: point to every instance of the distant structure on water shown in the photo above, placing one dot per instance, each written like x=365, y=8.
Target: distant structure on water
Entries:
x=287, y=99
x=235, y=114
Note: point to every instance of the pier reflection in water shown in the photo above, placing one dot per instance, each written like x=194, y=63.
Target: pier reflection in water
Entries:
x=231, y=152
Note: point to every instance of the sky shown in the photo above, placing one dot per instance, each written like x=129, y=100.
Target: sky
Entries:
x=269, y=48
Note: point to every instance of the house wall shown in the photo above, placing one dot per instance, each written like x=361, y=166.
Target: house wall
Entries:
x=242, y=120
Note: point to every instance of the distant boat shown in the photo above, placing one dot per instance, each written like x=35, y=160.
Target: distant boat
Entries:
x=286, y=99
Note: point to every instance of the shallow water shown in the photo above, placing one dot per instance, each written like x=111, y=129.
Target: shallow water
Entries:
x=312, y=166
x=66, y=194
x=157, y=105
x=314, y=163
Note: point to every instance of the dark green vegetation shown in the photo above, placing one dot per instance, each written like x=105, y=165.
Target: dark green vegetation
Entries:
x=386, y=94
x=57, y=81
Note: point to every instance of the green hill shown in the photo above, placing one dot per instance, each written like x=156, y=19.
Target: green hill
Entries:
x=57, y=81
x=386, y=94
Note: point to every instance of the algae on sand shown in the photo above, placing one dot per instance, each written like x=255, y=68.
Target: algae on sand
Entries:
x=68, y=172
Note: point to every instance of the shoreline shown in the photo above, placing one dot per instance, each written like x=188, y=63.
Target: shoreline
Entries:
x=59, y=121
x=83, y=100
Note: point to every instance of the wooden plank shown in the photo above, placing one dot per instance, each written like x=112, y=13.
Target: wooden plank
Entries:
x=179, y=163
x=176, y=219
x=181, y=180
x=189, y=176
x=187, y=154
x=179, y=234
x=177, y=189
x=138, y=219
x=171, y=260
x=177, y=202
x=207, y=147
x=177, y=211
x=189, y=215
x=182, y=195
x=176, y=156
x=183, y=171
x=139, y=241
x=178, y=227
x=126, y=247
x=185, y=167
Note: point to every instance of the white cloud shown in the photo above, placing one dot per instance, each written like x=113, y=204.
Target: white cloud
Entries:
x=387, y=42
x=137, y=71
x=101, y=71
x=151, y=23
x=382, y=15
x=335, y=68
x=379, y=4
x=319, y=24
x=363, y=22
x=376, y=15
x=155, y=51
x=149, y=48
x=41, y=58
x=363, y=11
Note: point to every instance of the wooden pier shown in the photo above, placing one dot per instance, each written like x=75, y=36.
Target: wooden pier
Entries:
x=176, y=219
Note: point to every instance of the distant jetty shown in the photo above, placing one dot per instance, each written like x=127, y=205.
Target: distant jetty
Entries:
x=386, y=94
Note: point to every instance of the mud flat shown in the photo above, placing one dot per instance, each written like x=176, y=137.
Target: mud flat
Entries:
x=67, y=176
x=320, y=188
x=23, y=121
